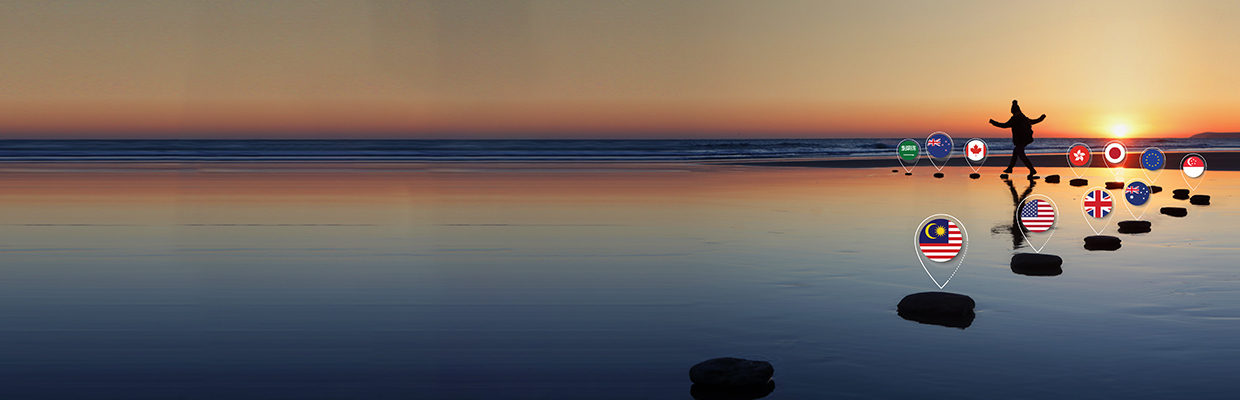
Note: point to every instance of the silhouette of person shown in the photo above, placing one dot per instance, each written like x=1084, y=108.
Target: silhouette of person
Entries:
x=1022, y=135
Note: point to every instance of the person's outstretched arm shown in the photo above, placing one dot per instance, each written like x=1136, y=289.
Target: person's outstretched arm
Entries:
x=1000, y=124
x=1031, y=122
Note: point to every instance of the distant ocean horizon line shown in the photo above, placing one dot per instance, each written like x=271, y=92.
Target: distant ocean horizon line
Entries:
x=518, y=150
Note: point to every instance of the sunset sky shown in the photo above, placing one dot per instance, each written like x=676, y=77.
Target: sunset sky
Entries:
x=613, y=69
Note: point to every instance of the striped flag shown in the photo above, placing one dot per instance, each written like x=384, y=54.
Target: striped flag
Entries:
x=1037, y=215
x=939, y=240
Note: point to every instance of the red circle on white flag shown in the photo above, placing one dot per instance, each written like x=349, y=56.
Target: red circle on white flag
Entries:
x=1115, y=152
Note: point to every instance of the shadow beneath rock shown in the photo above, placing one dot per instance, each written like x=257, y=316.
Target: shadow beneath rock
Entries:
x=1102, y=242
x=706, y=392
x=950, y=321
x=1037, y=271
x=1134, y=226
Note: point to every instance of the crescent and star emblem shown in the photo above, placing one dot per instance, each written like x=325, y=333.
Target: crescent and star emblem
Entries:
x=928, y=234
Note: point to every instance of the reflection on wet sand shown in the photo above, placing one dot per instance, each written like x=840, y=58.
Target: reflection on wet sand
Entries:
x=1018, y=238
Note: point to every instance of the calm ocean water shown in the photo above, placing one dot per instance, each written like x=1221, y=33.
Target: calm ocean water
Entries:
x=511, y=150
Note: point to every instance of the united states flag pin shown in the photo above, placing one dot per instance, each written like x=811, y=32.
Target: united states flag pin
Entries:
x=1037, y=216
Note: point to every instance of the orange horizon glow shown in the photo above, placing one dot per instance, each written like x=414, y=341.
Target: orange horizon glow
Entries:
x=404, y=120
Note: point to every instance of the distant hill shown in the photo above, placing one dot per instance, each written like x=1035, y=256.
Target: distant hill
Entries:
x=1217, y=135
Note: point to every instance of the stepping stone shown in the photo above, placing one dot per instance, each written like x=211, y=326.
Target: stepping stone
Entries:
x=1134, y=226
x=1031, y=177
x=1052, y=179
x=1032, y=264
x=1174, y=211
x=938, y=174
x=1200, y=199
x=1155, y=189
x=1115, y=185
x=1102, y=242
x=975, y=175
x=1179, y=194
x=908, y=173
x=1078, y=182
x=938, y=308
x=895, y=170
x=1003, y=176
x=729, y=372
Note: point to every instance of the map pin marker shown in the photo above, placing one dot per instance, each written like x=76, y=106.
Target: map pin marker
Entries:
x=1115, y=153
x=908, y=152
x=1152, y=162
x=940, y=243
x=1096, y=206
x=1037, y=216
x=939, y=147
x=1079, y=158
x=1136, y=198
x=1193, y=168
x=975, y=153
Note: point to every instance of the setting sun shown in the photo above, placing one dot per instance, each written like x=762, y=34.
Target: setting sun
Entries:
x=1119, y=130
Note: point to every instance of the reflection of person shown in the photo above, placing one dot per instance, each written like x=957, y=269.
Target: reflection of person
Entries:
x=1022, y=135
x=1017, y=199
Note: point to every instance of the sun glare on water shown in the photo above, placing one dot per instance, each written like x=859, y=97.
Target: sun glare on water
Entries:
x=1119, y=130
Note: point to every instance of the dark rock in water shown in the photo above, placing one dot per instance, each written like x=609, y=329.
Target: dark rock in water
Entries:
x=1052, y=179
x=1003, y=176
x=1155, y=189
x=1200, y=199
x=908, y=173
x=706, y=392
x=1102, y=242
x=1078, y=182
x=895, y=170
x=729, y=372
x=975, y=175
x=1134, y=226
x=1174, y=211
x=938, y=308
x=1115, y=185
x=938, y=174
x=1180, y=192
x=1179, y=196
x=1031, y=177
x=1037, y=264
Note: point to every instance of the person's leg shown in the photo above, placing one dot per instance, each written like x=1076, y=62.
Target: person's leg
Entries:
x=1025, y=160
x=1012, y=163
